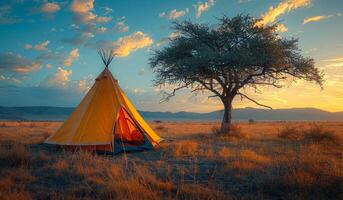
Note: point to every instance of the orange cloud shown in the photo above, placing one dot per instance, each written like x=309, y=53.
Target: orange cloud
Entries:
x=125, y=45
x=28, y=68
x=174, y=14
x=74, y=54
x=83, y=10
x=39, y=47
x=316, y=18
x=202, y=7
x=50, y=7
x=285, y=6
x=281, y=28
x=60, y=79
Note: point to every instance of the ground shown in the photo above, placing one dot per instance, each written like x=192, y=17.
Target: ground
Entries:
x=261, y=160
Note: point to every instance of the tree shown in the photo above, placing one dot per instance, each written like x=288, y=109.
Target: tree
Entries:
x=228, y=58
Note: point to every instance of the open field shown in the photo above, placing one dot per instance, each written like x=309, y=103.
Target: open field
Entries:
x=263, y=160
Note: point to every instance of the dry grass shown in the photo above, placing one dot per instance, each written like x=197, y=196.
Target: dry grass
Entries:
x=235, y=132
x=314, y=133
x=224, y=153
x=264, y=160
x=14, y=155
x=185, y=149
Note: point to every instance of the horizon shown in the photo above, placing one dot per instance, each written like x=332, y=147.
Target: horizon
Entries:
x=242, y=108
x=55, y=62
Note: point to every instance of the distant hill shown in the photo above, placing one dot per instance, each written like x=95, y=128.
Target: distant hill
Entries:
x=61, y=113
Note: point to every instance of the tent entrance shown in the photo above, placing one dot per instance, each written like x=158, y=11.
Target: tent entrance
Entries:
x=127, y=131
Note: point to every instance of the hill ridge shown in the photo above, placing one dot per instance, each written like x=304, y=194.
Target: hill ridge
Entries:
x=51, y=113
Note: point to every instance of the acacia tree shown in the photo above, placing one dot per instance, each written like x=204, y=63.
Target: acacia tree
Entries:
x=228, y=58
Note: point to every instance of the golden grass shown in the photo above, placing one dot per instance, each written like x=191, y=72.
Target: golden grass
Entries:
x=185, y=148
x=273, y=160
x=313, y=133
x=14, y=155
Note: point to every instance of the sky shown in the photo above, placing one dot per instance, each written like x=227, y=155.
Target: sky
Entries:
x=48, y=51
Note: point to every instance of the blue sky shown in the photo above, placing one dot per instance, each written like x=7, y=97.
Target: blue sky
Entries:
x=48, y=54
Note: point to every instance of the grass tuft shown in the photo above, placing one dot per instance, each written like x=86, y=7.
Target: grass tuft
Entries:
x=14, y=155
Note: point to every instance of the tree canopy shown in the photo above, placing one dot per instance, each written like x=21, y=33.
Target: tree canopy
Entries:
x=229, y=57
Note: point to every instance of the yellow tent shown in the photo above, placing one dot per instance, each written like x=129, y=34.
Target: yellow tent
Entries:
x=105, y=120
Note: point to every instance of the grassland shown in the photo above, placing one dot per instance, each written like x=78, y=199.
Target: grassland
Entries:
x=262, y=160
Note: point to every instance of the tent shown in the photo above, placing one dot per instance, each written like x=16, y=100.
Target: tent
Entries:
x=105, y=120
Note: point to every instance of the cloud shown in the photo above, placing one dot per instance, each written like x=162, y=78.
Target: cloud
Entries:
x=74, y=54
x=60, y=79
x=202, y=7
x=50, y=8
x=92, y=28
x=285, y=6
x=10, y=62
x=121, y=27
x=108, y=10
x=165, y=40
x=39, y=47
x=310, y=50
x=85, y=33
x=102, y=29
x=6, y=14
x=337, y=64
x=174, y=14
x=244, y=1
x=281, y=28
x=334, y=62
x=28, y=68
x=334, y=59
x=9, y=81
x=56, y=89
x=50, y=55
x=79, y=38
x=141, y=72
x=128, y=44
x=83, y=12
x=316, y=18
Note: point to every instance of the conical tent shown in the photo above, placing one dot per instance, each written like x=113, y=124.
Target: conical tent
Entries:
x=105, y=120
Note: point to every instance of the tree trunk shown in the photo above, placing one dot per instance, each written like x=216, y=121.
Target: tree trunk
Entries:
x=226, y=123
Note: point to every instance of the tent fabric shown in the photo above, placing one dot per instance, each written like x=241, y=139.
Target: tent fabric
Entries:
x=104, y=115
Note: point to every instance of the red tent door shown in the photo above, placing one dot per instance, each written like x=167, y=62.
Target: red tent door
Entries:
x=127, y=130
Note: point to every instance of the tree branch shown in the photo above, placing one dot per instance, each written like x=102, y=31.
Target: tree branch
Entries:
x=257, y=103
x=170, y=95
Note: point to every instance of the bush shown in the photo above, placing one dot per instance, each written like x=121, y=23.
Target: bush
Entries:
x=318, y=134
x=291, y=133
x=14, y=155
x=235, y=132
x=315, y=133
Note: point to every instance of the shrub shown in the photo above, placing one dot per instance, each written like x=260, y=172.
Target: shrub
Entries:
x=61, y=165
x=14, y=155
x=224, y=153
x=318, y=134
x=195, y=191
x=185, y=148
x=291, y=133
x=235, y=131
x=315, y=133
